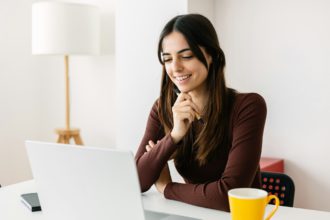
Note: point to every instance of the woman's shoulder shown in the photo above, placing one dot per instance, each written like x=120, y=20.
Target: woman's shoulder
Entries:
x=248, y=98
x=252, y=101
x=154, y=112
x=155, y=105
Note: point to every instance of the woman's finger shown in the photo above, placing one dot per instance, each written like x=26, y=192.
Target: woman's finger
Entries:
x=148, y=148
x=186, y=103
x=151, y=143
x=183, y=96
x=187, y=109
x=190, y=116
x=189, y=103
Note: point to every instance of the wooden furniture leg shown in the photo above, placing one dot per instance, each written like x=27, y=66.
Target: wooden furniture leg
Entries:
x=65, y=135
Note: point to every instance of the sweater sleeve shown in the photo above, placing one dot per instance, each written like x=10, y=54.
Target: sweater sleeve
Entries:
x=243, y=159
x=150, y=164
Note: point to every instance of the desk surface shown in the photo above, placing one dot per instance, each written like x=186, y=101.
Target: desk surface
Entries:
x=12, y=208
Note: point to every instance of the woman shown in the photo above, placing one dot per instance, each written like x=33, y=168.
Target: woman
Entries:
x=213, y=133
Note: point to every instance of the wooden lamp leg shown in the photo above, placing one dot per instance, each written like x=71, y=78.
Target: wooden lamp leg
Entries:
x=64, y=135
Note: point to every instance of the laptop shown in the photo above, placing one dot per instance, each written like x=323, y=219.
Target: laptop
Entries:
x=84, y=183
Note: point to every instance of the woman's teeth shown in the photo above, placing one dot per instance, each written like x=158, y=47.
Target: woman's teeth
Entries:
x=180, y=78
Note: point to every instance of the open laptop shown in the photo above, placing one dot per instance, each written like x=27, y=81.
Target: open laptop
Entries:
x=87, y=183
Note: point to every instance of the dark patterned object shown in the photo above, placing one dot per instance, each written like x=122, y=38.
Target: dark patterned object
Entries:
x=279, y=184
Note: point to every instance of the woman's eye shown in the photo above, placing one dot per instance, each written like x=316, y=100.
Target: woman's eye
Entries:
x=187, y=57
x=166, y=60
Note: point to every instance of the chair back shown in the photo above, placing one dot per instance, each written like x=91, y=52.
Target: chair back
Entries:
x=279, y=184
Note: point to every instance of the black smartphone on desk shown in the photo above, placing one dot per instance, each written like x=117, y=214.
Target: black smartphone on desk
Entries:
x=31, y=201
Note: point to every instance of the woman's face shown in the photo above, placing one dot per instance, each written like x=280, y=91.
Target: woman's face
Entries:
x=182, y=66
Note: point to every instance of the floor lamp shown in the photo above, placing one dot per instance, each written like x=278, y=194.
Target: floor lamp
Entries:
x=60, y=28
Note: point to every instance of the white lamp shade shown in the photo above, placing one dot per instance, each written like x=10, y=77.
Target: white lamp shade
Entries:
x=65, y=28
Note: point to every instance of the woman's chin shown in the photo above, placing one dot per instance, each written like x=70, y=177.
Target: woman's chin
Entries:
x=184, y=90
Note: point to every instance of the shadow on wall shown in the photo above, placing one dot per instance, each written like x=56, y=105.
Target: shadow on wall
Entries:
x=308, y=186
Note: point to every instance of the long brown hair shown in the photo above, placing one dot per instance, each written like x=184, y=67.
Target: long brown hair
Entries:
x=199, y=32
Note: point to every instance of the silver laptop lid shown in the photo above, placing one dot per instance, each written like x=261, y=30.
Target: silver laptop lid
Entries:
x=85, y=182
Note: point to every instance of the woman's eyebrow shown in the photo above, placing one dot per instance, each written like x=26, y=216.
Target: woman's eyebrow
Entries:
x=183, y=50
x=180, y=51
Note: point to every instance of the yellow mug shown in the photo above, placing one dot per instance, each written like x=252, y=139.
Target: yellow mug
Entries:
x=250, y=204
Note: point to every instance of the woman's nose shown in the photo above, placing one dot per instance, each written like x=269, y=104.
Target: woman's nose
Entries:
x=177, y=65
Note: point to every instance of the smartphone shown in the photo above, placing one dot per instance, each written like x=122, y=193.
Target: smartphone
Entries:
x=31, y=201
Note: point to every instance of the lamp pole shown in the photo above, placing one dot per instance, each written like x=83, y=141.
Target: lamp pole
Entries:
x=64, y=135
x=67, y=91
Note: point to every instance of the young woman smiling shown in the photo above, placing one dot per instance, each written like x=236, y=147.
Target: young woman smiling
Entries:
x=213, y=133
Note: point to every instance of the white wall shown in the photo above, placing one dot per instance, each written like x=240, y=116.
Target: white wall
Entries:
x=204, y=7
x=32, y=89
x=20, y=102
x=138, y=72
x=281, y=49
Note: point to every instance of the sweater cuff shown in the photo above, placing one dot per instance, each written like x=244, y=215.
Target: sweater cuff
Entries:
x=168, y=190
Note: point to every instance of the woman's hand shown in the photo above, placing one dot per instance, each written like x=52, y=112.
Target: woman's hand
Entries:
x=184, y=113
x=165, y=176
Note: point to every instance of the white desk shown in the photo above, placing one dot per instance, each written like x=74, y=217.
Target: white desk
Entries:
x=12, y=208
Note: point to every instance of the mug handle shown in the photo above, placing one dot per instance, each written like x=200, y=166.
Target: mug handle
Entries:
x=277, y=203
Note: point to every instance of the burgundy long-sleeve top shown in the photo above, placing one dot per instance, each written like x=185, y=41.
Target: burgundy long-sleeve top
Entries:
x=207, y=185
